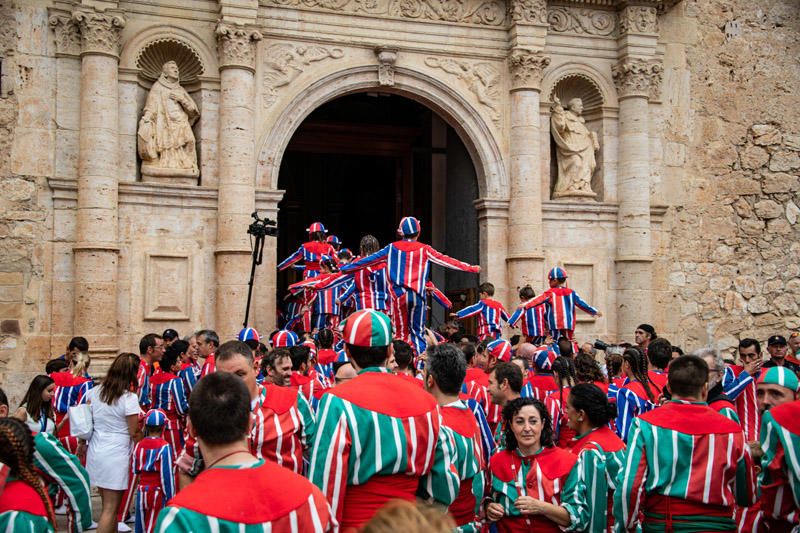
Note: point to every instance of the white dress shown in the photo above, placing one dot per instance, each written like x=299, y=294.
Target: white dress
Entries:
x=108, y=457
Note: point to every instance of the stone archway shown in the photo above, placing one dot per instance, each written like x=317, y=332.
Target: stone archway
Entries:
x=477, y=135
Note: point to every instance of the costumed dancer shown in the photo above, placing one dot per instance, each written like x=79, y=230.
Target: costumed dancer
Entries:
x=408, y=265
x=152, y=464
x=780, y=475
x=71, y=388
x=532, y=321
x=561, y=302
x=324, y=299
x=169, y=395
x=378, y=436
x=311, y=252
x=638, y=395
x=490, y=312
x=556, y=401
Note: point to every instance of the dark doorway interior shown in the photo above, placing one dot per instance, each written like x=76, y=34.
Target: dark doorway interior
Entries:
x=361, y=162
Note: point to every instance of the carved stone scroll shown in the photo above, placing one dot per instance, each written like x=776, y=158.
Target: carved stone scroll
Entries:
x=582, y=21
x=283, y=62
x=237, y=46
x=526, y=67
x=482, y=79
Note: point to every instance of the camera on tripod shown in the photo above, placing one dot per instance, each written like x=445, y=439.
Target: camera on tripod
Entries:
x=262, y=227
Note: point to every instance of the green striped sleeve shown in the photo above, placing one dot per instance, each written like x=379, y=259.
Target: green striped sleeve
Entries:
x=22, y=522
x=588, y=505
x=442, y=483
x=575, y=497
x=307, y=419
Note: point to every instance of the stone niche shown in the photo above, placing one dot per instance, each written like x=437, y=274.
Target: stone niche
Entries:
x=579, y=85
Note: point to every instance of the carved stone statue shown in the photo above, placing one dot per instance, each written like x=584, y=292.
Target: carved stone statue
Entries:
x=575, y=148
x=166, y=141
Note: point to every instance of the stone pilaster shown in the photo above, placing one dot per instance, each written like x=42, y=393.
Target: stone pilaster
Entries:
x=237, y=51
x=635, y=80
x=525, y=254
x=96, y=248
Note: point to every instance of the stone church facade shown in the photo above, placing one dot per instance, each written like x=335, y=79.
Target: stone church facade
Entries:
x=692, y=226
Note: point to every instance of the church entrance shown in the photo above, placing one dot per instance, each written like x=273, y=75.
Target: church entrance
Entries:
x=361, y=162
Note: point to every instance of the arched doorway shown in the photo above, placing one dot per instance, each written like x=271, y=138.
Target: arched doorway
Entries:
x=360, y=162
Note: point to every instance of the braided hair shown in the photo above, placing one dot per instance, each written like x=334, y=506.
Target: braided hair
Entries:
x=637, y=361
x=16, y=451
x=564, y=370
x=587, y=369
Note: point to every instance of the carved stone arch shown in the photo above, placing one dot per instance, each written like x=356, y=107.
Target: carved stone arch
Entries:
x=143, y=48
x=475, y=133
x=581, y=81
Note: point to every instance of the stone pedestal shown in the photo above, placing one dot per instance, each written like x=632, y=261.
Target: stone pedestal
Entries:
x=96, y=249
x=525, y=255
x=236, y=177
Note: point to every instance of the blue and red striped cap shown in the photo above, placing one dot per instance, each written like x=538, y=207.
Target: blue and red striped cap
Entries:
x=500, y=349
x=155, y=418
x=557, y=273
x=333, y=239
x=315, y=227
x=408, y=226
x=368, y=328
x=284, y=339
x=249, y=334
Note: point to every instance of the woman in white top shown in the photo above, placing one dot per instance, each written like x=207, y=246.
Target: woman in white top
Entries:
x=36, y=409
x=115, y=412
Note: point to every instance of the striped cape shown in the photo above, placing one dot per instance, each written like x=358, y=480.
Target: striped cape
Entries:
x=780, y=467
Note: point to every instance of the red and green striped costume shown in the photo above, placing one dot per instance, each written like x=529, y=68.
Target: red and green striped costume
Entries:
x=685, y=468
x=258, y=498
x=780, y=466
x=21, y=509
x=548, y=475
x=600, y=458
x=377, y=439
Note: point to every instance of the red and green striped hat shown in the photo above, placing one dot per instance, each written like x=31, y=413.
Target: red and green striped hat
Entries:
x=368, y=328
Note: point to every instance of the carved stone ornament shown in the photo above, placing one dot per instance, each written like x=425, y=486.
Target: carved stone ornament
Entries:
x=99, y=31
x=237, y=45
x=479, y=12
x=283, y=62
x=526, y=67
x=528, y=11
x=637, y=77
x=583, y=21
x=638, y=19
x=68, y=35
x=482, y=79
x=387, y=57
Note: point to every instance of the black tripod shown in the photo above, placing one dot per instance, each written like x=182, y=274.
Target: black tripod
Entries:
x=260, y=229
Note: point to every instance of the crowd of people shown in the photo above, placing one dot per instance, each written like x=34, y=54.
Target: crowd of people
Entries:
x=354, y=416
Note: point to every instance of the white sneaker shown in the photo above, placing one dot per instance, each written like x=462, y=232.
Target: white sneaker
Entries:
x=131, y=519
x=122, y=527
x=61, y=510
x=92, y=526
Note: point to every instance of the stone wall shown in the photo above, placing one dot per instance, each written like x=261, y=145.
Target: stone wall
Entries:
x=734, y=156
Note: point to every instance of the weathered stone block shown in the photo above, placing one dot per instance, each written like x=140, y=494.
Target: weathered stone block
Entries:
x=768, y=209
x=766, y=134
x=754, y=157
x=792, y=212
x=784, y=161
x=752, y=226
x=10, y=327
x=781, y=182
x=758, y=305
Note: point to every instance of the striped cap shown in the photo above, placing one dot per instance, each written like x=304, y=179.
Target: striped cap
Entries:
x=155, y=418
x=557, y=273
x=543, y=359
x=408, y=226
x=315, y=227
x=249, y=334
x=778, y=375
x=368, y=328
x=500, y=349
x=312, y=348
x=333, y=239
x=284, y=339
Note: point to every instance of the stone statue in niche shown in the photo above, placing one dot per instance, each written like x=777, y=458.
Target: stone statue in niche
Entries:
x=575, y=148
x=165, y=139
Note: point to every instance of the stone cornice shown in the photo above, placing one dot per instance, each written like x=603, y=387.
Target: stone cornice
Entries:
x=99, y=31
x=526, y=67
x=237, y=46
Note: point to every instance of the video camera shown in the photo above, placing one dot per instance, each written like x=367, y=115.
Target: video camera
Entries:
x=262, y=227
x=606, y=347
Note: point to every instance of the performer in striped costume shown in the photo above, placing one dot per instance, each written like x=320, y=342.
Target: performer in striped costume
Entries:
x=780, y=474
x=70, y=390
x=686, y=465
x=378, y=437
x=556, y=401
x=151, y=348
x=533, y=483
x=190, y=368
x=239, y=493
x=532, y=320
x=169, y=395
x=490, y=312
x=745, y=376
x=310, y=252
x=600, y=454
x=444, y=373
x=207, y=345
x=408, y=265
x=477, y=380
x=325, y=297
x=368, y=287
x=151, y=463
x=561, y=302
x=638, y=395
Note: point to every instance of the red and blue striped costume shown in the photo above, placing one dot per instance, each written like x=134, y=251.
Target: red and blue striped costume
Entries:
x=190, y=373
x=152, y=463
x=532, y=321
x=408, y=266
x=324, y=300
x=310, y=253
x=170, y=395
x=369, y=288
x=632, y=401
x=560, y=307
x=143, y=384
x=69, y=390
x=740, y=388
x=490, y=312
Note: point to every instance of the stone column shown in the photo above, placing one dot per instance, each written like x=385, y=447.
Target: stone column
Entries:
x=635, y=79
x=525, y=254
x=96, y=248
x=493, y=225
x=237, y=192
